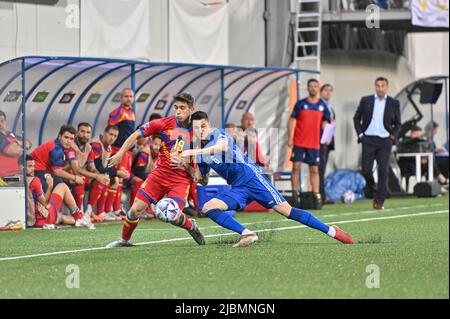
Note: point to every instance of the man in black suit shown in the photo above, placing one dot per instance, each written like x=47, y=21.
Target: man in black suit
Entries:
x=377, y=123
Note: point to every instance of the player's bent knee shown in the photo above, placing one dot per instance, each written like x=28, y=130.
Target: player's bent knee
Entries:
x=214, y=204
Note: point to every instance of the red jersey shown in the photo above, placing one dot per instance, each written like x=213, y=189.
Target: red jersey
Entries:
x=49, y=156
x=9, y=164
x=309, y=115
x=175, y=139
x=125, y=120
x=36, y=192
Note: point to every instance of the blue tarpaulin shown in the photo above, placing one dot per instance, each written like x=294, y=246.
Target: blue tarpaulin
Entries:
x=344, y=179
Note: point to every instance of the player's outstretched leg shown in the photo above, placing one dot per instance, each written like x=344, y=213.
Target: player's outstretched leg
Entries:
x=129, y=224
x=310, y=220
x=215, y=210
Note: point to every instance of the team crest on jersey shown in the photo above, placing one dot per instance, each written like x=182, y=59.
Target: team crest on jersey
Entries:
x=306, y=106
x=321, y=108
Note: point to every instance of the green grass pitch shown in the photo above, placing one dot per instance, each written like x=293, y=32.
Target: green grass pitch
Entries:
x=407, y=245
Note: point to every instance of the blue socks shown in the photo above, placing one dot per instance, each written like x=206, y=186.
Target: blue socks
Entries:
x=308, y=219
x=225, y=220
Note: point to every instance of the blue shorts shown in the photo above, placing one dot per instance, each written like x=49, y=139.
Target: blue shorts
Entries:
x=258, y=188
x=309, y=156
x=41, y=175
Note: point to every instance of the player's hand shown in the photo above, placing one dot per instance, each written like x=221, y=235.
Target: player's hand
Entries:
x=291, y=142
x=177, y=162
x=188, y=153
x=115, y=159
x=123, y=173
x=49, y=180
x=103, y=179
x=79, y=180
x=87, y=148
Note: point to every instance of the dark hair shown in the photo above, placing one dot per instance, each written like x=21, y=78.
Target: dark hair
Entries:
x=312, y=80
x=111, y=127
x=184, y=97
x=416, y=128
x=382, y=78
x=85, y=124
x=154, y=116
x=157, y=136
x=326, y=85
x=28, y=158
x=2, y=114
x=199, y=115
x=67, y=128
x=435, y=124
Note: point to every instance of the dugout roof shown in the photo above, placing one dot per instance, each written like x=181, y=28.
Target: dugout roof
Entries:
x=43, y=92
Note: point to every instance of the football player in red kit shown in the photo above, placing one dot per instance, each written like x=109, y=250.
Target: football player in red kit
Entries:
x=50, y=159
x=77, y=156
x=176, y=132
x=47, y=205
x=144, y=160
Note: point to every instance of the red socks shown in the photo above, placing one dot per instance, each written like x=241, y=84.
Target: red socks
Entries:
x=129, y=225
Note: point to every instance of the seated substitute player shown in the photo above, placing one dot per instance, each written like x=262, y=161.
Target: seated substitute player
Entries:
x=47, y=205
x=220, y=153
x=77, y=156
x=50, y=159
x=176, y=132
x=11, y=149
x=97, y=161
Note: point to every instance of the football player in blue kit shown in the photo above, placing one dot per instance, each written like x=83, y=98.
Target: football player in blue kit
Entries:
x=219, y=152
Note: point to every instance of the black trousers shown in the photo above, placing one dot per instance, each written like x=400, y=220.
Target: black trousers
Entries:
x=324, y=154
x=376, y=149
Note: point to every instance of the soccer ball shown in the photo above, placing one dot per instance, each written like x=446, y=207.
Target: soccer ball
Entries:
x=167, y=210
x=348, y=197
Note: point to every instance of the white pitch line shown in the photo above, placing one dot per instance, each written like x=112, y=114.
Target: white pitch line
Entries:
x=372, y=211
x=290, y=220
x=223, y=234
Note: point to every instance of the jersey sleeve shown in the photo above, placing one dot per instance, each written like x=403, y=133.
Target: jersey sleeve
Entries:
x=296, y=110
x=95, y=153
x=326, y=114
x=36, y=188
x=71, y=155
x=114, y=116
x=56, y=158
x=4, y=143
x=152, y=128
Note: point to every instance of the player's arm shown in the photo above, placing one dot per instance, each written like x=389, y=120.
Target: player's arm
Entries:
x=49, y=191
x=220, y=146
x=60, y=172
x=101, y=178
x=291, y=124
x=12, y=149
x=129, y=143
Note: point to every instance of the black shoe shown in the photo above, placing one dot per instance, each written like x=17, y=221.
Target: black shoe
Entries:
x=295, y=201
x=197, y=234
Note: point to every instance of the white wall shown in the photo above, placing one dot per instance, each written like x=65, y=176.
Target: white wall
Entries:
x=29, y=29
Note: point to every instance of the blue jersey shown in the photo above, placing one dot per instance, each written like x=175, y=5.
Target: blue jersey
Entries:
x=232, y=165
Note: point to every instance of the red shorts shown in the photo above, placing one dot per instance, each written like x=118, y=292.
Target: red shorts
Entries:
x=53, y=207
x=155, y=187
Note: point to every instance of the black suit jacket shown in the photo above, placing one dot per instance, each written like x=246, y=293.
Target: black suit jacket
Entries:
x=391, y=120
